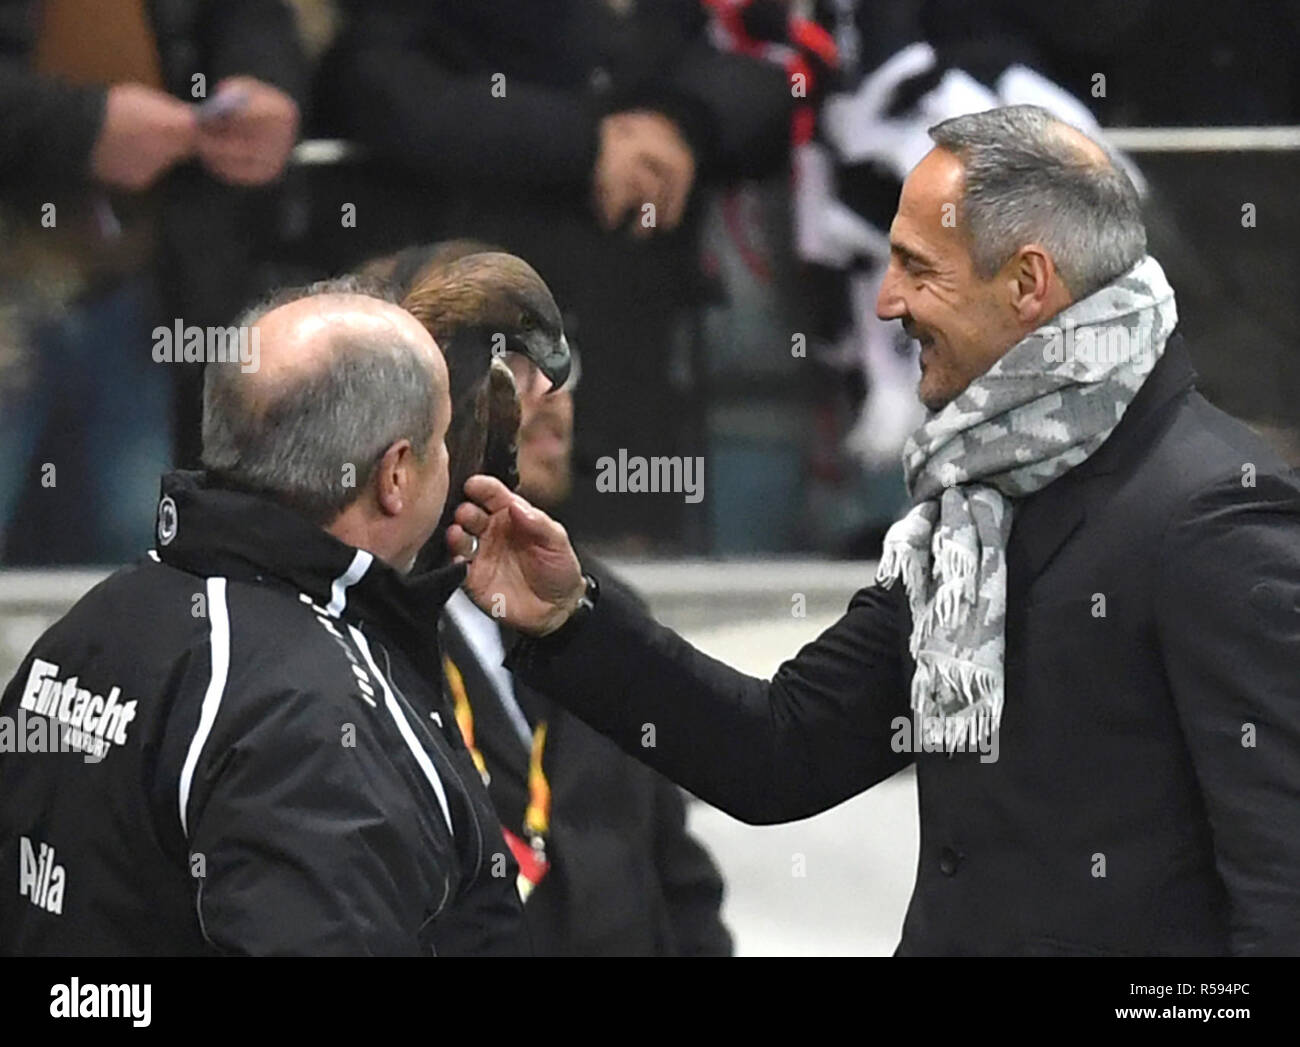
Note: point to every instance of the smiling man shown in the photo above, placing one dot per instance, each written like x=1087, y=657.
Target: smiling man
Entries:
x=948, y=282
x=1099, y=569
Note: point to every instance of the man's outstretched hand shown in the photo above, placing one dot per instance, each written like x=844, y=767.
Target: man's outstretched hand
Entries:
x=525, y=572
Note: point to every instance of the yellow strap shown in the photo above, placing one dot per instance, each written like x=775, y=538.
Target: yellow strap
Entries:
x=464, y=714
x=537, y=818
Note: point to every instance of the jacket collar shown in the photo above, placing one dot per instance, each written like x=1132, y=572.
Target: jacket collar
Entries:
x=209, y=529
x=1046, y=519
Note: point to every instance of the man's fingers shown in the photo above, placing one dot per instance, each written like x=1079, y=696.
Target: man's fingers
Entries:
x=681, y=182
x=459, y=544
x=471, y=518
x=488, y=492
x=536, y=525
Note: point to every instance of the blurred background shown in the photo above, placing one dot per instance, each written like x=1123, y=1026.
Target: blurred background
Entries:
x=167, y=162
x=171, y=161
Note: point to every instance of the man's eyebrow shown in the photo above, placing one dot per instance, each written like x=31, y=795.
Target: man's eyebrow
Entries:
x=907, y=254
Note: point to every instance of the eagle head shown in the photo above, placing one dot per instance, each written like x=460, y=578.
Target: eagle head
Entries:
x=480, y=304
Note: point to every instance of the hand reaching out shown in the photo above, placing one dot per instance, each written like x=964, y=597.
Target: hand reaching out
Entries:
x=524, y=571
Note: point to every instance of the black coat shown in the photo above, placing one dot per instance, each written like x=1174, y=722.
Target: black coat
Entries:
x=413, y=80
x=626, y=877
x=1159, y=745
x=286, y=777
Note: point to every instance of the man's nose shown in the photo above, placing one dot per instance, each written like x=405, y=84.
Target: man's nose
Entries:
x=889, y=304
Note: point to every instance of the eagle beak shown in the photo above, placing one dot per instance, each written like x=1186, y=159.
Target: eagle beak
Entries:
x=551, y=355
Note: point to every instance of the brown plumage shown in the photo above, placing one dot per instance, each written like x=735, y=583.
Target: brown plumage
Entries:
x=479, y=304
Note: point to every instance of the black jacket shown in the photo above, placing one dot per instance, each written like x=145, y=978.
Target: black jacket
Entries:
x=1159, y=745
x=285, y=777
x=626, y=877
x=414, y=79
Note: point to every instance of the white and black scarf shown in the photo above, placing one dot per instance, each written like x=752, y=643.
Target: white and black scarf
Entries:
x=1043, y=408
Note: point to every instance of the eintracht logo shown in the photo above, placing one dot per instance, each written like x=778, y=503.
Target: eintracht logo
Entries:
x=89, y=723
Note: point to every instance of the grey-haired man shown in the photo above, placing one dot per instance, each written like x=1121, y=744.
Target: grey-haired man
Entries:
x=1099, y=570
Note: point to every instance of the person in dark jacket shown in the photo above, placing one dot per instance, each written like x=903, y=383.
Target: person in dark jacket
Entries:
x=241, y=743
x=607, y=866
x=578, y=134
x=138, y=141
x=1091, y=657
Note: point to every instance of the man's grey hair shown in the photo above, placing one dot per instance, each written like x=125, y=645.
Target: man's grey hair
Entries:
x=1027, y=182
x=296, y=441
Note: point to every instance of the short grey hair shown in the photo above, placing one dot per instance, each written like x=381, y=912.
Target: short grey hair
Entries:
x=1026, y=182
x=294, y=442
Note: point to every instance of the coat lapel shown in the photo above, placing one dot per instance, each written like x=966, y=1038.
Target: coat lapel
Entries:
x=1039, y=528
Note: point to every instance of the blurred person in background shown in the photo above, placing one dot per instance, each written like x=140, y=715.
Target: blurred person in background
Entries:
x=552, y=129
x=130, y=136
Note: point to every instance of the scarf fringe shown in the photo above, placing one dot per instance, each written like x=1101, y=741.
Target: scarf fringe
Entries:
x=901, y=559
x=955, y=567
x=941, y=681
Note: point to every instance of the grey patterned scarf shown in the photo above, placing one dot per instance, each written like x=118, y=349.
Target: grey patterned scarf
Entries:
x=1039, y=411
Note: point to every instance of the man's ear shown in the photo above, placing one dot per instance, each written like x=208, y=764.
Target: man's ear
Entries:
x=394, y=478
x=1036, y=286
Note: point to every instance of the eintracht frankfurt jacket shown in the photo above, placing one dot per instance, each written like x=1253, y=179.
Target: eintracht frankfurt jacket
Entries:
x=239, y=744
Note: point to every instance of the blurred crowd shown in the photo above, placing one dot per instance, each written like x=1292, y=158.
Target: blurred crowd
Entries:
x=705, y=185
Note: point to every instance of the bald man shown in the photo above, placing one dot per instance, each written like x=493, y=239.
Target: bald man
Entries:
x=1083, y=635
x=239, y=744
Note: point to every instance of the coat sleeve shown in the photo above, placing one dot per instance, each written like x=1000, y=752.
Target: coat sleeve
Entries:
x=690, y=881
x=257, y=38
x=1229, y=617
x=383, y=87
x=48, y=128
x=818, y=733
x=302, y=844
x=735, y=111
